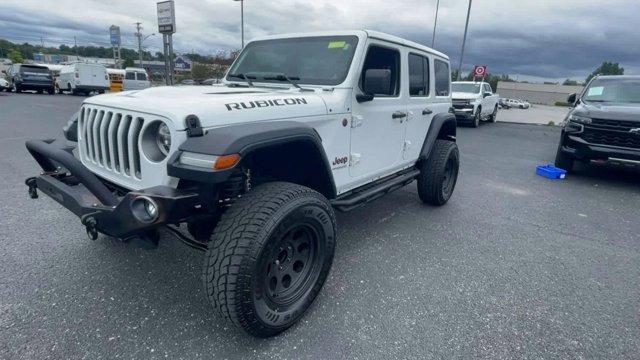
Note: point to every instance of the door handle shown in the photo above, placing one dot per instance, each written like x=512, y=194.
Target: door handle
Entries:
x=427, y=111
x=399, y=115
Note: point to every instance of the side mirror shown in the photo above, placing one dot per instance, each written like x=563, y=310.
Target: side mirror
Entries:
x=377, y=82
x=572, y=99
x=487, y=94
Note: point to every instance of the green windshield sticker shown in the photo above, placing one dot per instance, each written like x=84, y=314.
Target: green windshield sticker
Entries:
x=596, y=91
x=337, y=44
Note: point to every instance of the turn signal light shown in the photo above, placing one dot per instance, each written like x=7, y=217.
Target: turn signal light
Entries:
x=226, y=161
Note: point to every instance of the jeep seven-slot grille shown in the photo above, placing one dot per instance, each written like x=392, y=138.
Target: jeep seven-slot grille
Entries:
x=109, y=139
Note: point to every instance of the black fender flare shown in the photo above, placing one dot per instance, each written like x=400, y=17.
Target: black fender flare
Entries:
x=443, y=126
x=245, y=139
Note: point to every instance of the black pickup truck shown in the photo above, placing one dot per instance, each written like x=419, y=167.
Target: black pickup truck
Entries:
x=604, y=123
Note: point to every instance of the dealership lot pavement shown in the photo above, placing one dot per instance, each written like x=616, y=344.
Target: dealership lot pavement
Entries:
x=537, y=114
x=515, y=266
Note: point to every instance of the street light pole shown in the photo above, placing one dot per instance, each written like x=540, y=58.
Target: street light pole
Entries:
x=464, y=40
x=435, y=24
x=241, y=20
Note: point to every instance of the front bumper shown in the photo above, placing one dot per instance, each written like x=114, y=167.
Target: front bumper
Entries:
x=67, y=181
x=466, y=114
x=581, y=150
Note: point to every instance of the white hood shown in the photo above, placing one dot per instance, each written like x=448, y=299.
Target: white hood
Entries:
x=216, y=105
x=464, y=96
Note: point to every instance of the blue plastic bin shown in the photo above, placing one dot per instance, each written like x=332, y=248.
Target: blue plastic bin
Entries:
x=551, y=172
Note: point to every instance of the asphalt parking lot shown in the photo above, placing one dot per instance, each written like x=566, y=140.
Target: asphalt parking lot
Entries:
x=515, y=266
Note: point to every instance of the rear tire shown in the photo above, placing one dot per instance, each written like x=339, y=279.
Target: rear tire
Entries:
x=15, y=88
x=494, y=115
x=439, y=174
x=269, y=257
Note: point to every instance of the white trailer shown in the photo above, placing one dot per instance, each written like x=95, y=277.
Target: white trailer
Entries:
x=83, y=78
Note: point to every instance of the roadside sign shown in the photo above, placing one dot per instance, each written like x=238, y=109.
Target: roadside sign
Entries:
x=480, y=71
x=114, y=35
x=166, y=17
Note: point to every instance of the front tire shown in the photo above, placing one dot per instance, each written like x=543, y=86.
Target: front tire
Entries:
x=439, y=174
x=564, y=161
x=269, y=257
x=476, y=118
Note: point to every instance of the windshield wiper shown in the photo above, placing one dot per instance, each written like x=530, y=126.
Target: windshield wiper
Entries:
x=244, y=77
x=284, y=77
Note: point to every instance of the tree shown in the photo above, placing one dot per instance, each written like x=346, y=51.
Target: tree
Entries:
x=15, y=57
x=570, y=82
x=201, y=72
x=128, y=62
x=607, y=68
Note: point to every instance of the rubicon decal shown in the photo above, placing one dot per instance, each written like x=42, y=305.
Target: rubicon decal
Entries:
x=266, y=103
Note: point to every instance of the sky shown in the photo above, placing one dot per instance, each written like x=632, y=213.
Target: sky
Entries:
x=533, y=40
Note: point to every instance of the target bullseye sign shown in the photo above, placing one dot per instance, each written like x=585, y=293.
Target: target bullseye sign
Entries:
x=480, y=71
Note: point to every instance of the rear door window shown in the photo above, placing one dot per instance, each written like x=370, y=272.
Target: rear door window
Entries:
x=443, y=78
x=418, y=75
x=141, y=76
x=130, y=76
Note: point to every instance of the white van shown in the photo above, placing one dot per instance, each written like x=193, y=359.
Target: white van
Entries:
x=136, y=79
x=83, y=78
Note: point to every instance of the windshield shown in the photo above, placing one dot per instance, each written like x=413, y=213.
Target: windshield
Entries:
x=613, y=90
x=466, y=88
x=311, y=60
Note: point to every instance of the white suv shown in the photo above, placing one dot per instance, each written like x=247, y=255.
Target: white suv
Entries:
x=302, y=125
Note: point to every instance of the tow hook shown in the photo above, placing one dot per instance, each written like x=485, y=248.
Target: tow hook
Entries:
x=33, y=187
x=90, y=224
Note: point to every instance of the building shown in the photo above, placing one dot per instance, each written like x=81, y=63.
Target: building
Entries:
x=546, y=94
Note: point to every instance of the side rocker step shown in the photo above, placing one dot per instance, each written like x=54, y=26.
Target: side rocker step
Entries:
x=359, y=197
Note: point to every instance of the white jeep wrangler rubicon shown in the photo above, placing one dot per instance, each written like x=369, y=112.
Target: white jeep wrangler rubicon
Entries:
x=302, y=125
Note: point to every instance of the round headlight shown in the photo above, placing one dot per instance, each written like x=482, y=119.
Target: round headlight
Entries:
x=163, y=139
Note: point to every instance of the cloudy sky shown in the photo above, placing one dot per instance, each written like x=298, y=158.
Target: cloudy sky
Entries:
x=534, y=39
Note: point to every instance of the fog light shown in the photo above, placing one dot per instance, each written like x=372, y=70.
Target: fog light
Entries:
x=144, y=209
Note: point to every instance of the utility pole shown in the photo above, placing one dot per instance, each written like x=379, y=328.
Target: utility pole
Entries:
x=464, y=41
x=139, y=36
x=435, y=24
x=75, y=45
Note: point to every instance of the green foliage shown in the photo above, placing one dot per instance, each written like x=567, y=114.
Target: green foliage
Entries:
x=562, y=104
x=128, y=62
x=201, y=72
x=15, y=57
x=607, y=68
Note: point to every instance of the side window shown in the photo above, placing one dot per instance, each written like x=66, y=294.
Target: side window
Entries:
x=380, y=58
x=443, y=78
x=487, y=88
x=418, y=75
x=130, y=76
x=141, y=76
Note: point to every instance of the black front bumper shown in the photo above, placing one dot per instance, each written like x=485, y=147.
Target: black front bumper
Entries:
x=66, y=180
x=582, y=150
